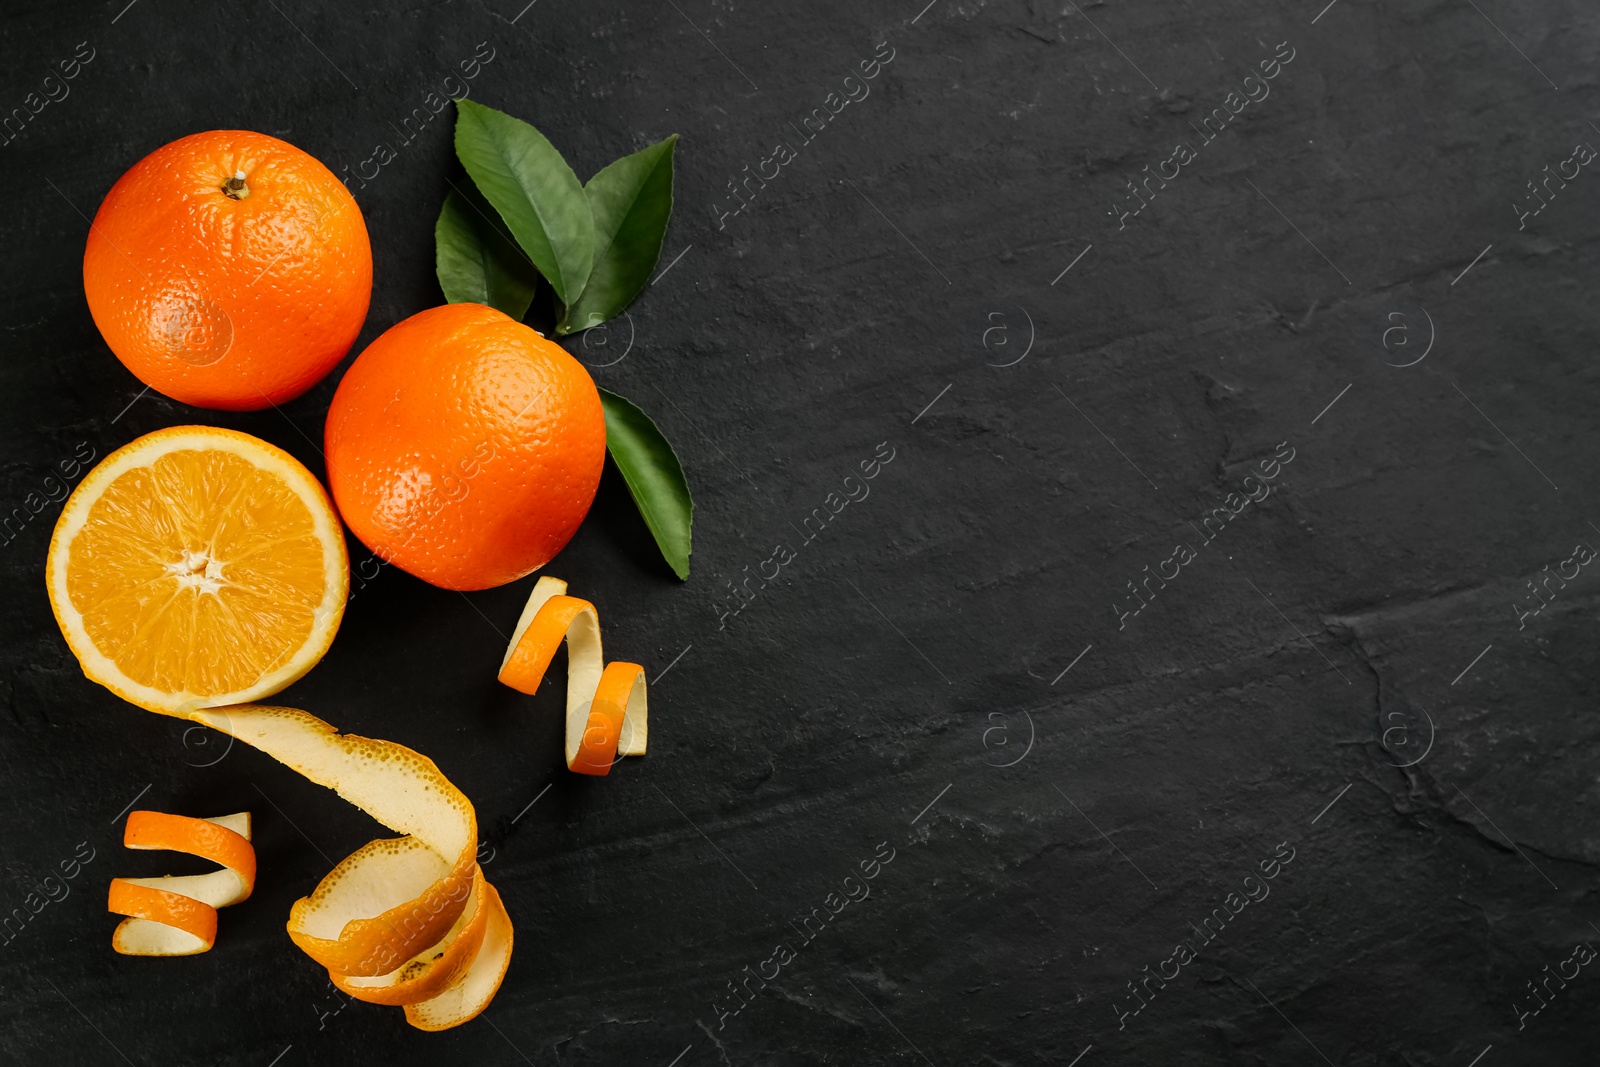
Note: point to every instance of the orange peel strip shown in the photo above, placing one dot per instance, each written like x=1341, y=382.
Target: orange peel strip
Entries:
x=176, y=915
x=468, y=996
x=405, y=921
x=428, y=973
x=607, y=705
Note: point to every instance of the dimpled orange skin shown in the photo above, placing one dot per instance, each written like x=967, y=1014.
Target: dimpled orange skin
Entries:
x=464, y=448
x=228, y=303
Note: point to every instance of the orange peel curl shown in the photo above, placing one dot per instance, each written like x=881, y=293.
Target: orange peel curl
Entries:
x=607, y=704
x=176, y=915
x=402, y=921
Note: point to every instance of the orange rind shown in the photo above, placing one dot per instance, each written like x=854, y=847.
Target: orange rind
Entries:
x=464, y=998
x=607, y=704
x=407, y=921
x=431, y=971
x=176, y=915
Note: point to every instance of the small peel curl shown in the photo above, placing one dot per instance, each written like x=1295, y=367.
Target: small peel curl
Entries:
x=607, y=704
x=407, y=921
x=176, y=915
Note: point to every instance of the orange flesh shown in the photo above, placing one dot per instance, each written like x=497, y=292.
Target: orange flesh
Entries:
x=198, y=573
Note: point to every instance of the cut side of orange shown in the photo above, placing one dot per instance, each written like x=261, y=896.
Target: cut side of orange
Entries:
x=198, y=567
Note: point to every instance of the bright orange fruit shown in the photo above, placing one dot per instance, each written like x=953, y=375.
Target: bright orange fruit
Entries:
x=465, y=448
x=229, y=270
x=197, y=567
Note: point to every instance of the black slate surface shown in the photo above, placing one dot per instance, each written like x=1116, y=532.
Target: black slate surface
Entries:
x=945, y=674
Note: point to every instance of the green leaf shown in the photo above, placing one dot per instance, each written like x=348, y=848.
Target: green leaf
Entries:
x=654, y=477
x=631, y=201
x=533, y=189
x=475, y=260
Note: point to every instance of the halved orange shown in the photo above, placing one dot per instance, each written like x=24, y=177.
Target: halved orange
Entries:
x=198, y=567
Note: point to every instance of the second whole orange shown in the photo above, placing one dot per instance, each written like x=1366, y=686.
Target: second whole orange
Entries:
x=228, y=270
x=465, y=448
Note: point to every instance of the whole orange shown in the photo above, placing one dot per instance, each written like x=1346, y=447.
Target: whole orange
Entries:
x=228, y=270
x=465, y=448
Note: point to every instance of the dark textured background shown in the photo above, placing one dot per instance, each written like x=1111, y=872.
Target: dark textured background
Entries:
x=919, y=643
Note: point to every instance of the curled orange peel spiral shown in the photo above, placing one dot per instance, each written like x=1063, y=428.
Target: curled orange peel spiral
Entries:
x=176, y=915
x=411, y=921
x=607, y=704
x=402, y=921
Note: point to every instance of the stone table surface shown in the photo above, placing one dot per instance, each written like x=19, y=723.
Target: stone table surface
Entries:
x=1182, y=677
